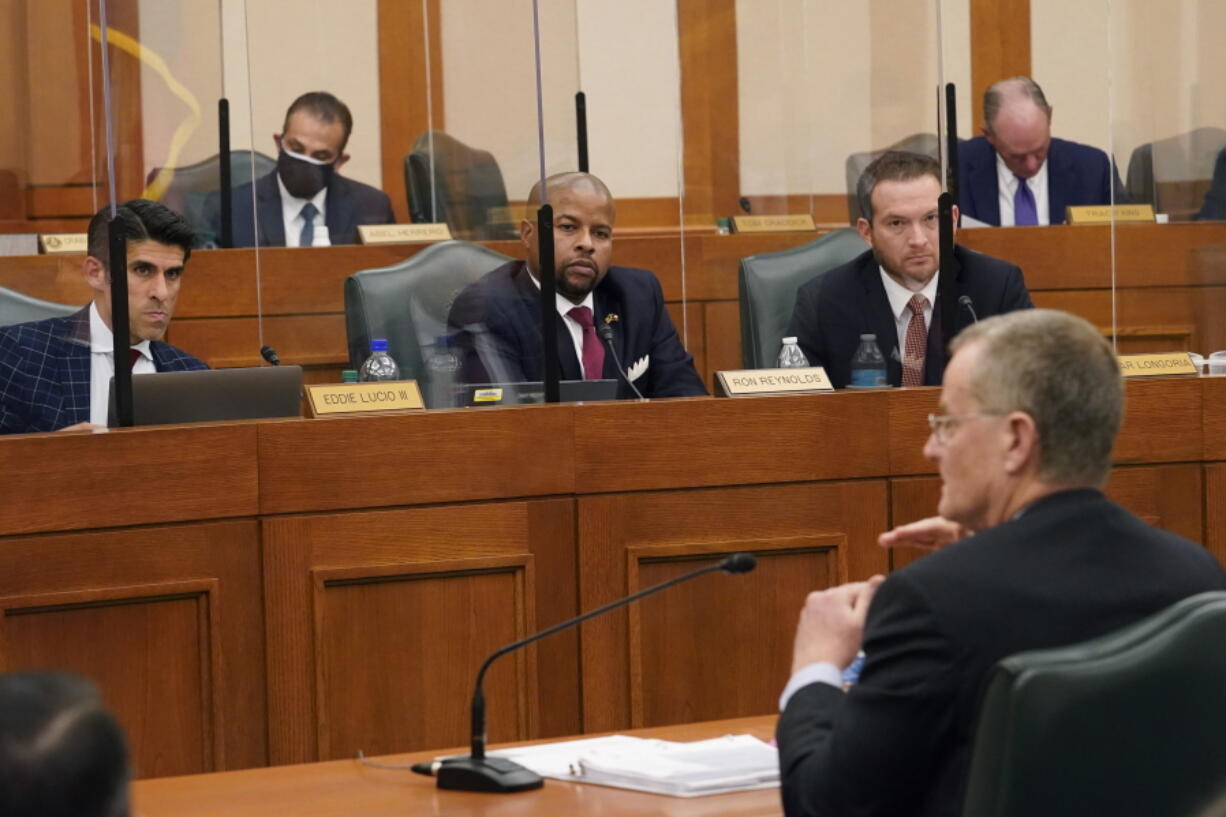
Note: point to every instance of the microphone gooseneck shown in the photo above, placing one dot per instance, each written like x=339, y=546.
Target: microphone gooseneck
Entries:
x=606, y=334
x=966, y=303
x=270, y=354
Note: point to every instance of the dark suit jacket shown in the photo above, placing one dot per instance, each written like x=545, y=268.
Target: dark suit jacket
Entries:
x=1214, y=206
x=1075, y=566
x=497, y=321
x=349, y=203
x=1076, y=175
x=45, y=375
x=834, y=309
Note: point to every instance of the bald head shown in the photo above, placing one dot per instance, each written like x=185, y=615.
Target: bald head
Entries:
x=1017, y=122
x=580, y=182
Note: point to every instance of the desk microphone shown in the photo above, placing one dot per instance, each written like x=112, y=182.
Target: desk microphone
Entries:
x=498, y=774
x=270, y=354
x=606, y=334
x=966, y=302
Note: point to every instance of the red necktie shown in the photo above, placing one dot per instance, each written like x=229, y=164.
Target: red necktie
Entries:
x=593, y=351
x=133, y=356
x=915, y=350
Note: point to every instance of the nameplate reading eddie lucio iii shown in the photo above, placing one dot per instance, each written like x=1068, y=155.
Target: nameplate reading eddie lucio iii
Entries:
x=355, y=398
x=744, y=382
x=1153, y=365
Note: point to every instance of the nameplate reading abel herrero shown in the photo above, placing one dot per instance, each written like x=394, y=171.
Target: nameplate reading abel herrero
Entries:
x=746, y=382
x=1153, y=365
x=403, y=233
x=360, y=398
x=802, y=223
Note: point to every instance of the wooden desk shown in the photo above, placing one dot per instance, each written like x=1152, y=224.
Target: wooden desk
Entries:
x=347, y=787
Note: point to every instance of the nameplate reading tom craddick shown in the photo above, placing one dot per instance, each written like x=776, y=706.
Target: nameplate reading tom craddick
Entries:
x=403, y=233
x=802, y=223
x=746, y=382
x=361, y=398
x=1154, y=365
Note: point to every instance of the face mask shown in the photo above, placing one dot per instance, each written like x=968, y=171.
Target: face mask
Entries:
x=303, y=176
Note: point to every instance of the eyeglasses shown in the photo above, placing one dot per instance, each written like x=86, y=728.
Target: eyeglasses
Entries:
x=943, y=424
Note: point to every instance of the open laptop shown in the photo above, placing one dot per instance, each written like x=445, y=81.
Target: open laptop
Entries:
x=509, y=394
x=210, y=395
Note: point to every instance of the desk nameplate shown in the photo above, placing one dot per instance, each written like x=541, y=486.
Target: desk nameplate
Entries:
x=403, y=233
x=747, y=382
x=364, y=398
x=1156, y=365
x=57, y=243
x=1105, y=214
x=800, y=223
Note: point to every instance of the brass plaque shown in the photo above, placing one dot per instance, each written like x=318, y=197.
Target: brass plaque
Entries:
x=1103, y=213
x=403, y=233
x=54, y=243
x=744, y=382
x=1153, y=365
x=802, y=223
x=358, y=398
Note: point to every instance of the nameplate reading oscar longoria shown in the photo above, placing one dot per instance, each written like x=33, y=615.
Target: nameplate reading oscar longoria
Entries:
x=750, y=382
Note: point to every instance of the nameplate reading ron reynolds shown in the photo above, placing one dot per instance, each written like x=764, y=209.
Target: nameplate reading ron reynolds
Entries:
x=360, y=398
x=745, y=382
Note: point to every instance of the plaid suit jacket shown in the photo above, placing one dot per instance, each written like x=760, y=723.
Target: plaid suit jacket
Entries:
x=45, y=375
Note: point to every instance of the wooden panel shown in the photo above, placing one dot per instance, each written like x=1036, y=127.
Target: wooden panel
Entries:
x=54, y=482
x=693, y=335
x=791, y=526
x=908, y=429
x=911, y=499
x=306, y=340
x=1213, y=395
x=1168, y=496
x=723, y=337
x=61, y=201
x=1000, y=46
x=165, y=620
x=378, y=621
x=793, y=438
x=1162, y=420
x=439, y=456
x=1215, y=511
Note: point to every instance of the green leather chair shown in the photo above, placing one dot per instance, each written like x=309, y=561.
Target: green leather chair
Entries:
x=768, y=284
x=448, y=181
x=407, y=303
x=192, y=185
x=18, y=308
x=1133, y=723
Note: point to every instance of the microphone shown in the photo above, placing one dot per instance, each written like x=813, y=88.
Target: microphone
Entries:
x=606, y=334
x=498, y=774
x=966, y=302
x=270, y=354
x=745, y=204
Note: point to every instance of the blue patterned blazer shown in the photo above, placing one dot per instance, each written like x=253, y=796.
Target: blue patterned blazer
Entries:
x=44, y=372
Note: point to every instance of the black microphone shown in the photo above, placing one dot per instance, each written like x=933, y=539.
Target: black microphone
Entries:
x=606, y=334
x=498, y=774
x=745, y=204
x=966, y=302
x=270, y=354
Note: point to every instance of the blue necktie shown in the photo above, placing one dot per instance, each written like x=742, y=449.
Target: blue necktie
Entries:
x=309, y=211
x=1024, y=212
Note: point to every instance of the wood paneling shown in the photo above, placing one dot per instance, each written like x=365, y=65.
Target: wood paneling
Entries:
x=722, y=338
x=1213, y=412
x=1215, y=511
x=308, y=340
x=807, y=537
x=1000, y=46
x=1167, y=496
x=911, y=499
x=165, y=619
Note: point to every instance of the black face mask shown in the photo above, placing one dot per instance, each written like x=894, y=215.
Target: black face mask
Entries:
x=301, y=178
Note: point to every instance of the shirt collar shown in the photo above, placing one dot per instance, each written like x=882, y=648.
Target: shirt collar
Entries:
x=101, y=341
x=564, y=304
x=900, y=296
x=1007, y=180
x=292, y=206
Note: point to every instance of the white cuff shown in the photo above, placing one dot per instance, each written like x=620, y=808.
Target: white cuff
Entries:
x=822, y=672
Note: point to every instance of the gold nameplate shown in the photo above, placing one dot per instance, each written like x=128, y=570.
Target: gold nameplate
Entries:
x=744, y=382
x=802, y=223
x=403, y=233
x=492, y=395
x=52, y=243
x=1105, y=214
x=355, y=398
x=1152, y=365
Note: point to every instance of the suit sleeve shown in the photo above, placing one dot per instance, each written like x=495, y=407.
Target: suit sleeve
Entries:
x=1214, y=206
x=489, y=352
x=672, y=370
x=804, y=325
x=1016, y=296
x=875, y=749
x=14, y=399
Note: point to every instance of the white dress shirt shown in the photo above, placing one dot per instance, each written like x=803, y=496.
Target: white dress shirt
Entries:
x=102, y=365
x=1006, y=185
x=291, y=212
x=565, y=305
x=899, y=296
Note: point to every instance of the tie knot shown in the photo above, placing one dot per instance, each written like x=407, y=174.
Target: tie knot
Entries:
x=1020, y=181
x=582, y=315
x=308, y=212
x=917, y=304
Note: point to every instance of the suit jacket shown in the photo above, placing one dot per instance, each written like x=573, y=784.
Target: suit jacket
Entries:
x=497, y=321
x=349, y=203
x=1073, y=567
x=45, y=372
x=1214, y=206
x=834, y=309
x=1076, y=175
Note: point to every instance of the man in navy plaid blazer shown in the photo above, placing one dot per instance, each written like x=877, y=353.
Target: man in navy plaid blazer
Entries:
x=54, y=373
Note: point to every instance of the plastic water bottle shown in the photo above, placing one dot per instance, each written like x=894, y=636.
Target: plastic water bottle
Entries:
x=790, y=356
x=868, y=364
x=442, y=366
x=379, y=366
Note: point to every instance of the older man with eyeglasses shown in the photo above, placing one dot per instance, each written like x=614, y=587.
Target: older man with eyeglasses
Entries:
x=1030, y=555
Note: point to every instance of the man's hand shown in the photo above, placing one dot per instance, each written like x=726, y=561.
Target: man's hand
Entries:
x=83, y=427
x=832, y=624
x=932, y=533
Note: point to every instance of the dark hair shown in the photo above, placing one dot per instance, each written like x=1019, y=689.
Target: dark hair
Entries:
x=139, y=220
x=61, y=753
x=324, y=107
x=893, y=166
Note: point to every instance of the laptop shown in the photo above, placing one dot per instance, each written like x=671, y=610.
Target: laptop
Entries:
x=509, y=394
x=210, y=395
